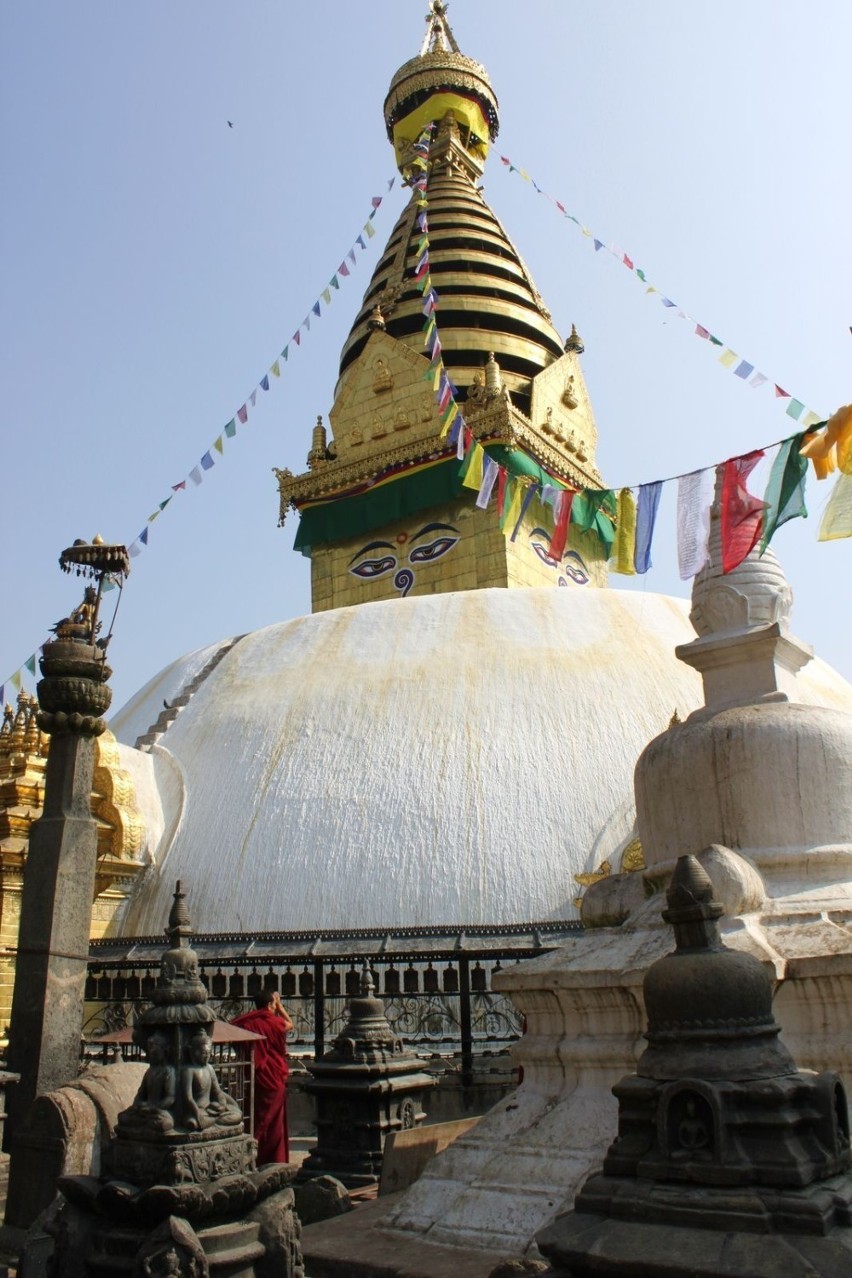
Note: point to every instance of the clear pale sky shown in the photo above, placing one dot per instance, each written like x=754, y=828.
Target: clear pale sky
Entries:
x=155, y=261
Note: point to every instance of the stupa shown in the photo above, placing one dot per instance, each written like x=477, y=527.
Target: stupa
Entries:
x=384, y=759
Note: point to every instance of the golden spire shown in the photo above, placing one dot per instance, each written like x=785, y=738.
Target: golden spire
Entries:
x=439, y=34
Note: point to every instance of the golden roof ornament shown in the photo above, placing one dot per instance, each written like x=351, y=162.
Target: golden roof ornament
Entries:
x=574, y=341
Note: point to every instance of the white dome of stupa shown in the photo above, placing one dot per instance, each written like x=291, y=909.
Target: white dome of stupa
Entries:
x=446, y=759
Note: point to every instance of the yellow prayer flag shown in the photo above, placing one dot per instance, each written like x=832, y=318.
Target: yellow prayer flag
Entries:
x=728, y=358
x=837, y=517
x=16, y=680
x=219, y=445
x=513, y=508
x=369, y=229
x=451, y=417
x=473, y=478
x=275, y=370
x=625, y=533
x=810, y=419
x=326, y=296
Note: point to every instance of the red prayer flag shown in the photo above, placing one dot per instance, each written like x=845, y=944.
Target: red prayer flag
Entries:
x=742, y=512
x=501, y=490
x=627, y=262
x=560, y=533
x=781, y=394
x=242, y=414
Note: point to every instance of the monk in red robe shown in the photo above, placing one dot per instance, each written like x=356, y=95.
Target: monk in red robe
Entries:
x=270, y=1075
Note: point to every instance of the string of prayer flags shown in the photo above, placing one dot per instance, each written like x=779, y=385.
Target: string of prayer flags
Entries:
x=741, y=514
x=742, y=368
x=489, y=479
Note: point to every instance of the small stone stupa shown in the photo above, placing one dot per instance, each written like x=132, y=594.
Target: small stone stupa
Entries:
x=728, y=1160
x=366, y=1087
x=182, y=1193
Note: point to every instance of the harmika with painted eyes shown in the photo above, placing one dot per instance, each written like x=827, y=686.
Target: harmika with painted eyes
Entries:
x=571, y=569
x=379, y=558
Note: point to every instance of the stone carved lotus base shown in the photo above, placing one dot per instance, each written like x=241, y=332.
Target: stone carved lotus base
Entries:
x=180, y=1158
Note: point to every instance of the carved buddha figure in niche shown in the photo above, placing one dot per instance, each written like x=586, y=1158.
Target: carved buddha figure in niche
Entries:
x=205, y=1103
x=382, y=379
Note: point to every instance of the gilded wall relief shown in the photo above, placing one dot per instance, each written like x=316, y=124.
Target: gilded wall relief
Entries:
x=405, y=556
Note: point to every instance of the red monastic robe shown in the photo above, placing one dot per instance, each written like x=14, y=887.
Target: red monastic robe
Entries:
x=270, y=1084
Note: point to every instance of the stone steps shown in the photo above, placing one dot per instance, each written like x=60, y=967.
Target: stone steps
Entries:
x=170, y=712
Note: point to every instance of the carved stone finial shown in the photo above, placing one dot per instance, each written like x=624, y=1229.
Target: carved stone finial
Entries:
x=376, y=322
x=319, y=445
x=493, y=377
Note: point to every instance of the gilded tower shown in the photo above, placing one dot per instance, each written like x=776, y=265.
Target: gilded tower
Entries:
x=383, y=511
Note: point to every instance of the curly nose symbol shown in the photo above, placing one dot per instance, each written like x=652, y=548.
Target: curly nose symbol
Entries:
x=403, y=581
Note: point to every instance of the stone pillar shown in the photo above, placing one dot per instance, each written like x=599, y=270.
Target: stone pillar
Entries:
x=47, y=1005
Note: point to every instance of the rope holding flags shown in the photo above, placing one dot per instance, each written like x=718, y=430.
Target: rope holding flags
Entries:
x=207, y=461
x=729, y=359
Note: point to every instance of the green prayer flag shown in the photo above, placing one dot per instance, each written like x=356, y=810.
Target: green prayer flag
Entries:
x=231, y=429
x=30, y=664
x=785, y=492
x=593, y=510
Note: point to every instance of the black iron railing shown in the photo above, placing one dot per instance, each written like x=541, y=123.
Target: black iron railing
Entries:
x=435, y=983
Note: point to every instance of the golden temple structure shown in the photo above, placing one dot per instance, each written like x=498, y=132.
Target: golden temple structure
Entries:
x=383, y=512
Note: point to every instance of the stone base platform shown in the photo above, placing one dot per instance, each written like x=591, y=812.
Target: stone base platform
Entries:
x=357, y=1246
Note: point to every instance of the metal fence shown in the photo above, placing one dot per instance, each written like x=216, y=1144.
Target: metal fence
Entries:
x=435, y=985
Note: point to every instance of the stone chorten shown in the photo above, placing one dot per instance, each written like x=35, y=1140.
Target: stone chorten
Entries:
x=728, y=1160
x=182, y=1188
x=366, y=1087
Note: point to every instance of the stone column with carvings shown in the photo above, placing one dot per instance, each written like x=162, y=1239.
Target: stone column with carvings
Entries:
x=47, y=1004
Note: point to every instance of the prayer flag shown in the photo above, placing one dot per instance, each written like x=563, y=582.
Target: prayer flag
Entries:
x=143, y=536
x=781, y=394
x=728, y=357
x=335, y=282
x=744, y=369
x=837, y=518
x=795, y=408
x=757, y=380
x=501, y=493
x=472, y=471
x=694, y=498
x=165, y=503
x=30, y=664
x=562, y=513
x=391, y=181
x=306, y=323
x=351, y=256
x=370, y=229
x=2, y=695
x=285, y=354
x=646, y=517
x=592, y=511
x=489, y=479
x=598, y=245
x=359, y=239
x=242, y=414
x=627, y=262
x=785, y=491
x=701, y=331
x=195, y=476
x=326, y=296
x=525, y=504
x=459, y=430
x=376, y=201
x=264, y=382
x=741, y=516
x=16, y=681
x=343, y=269
x=219, y=445
x=641, y=275
x=316, y=309
x=179, y=487
x=297, y=337
x=275, y=370
x=134, y=549
x=253, y=398
x=231, y=429
x=668, y=302
x=812, y=419
x=512, y=508
x=716, y=341
x=625, y=534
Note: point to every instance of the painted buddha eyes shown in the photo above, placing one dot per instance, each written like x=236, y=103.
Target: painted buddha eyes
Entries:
x=432, y=550
x=426, y=552
x=572, y=565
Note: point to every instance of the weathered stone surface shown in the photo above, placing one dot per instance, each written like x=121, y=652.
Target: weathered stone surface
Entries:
x=280, y=1233
x=321, y=1199
x=407, y=1153
x=520, y=1268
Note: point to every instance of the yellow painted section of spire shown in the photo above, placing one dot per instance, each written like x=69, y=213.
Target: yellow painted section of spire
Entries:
x=436, y=106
